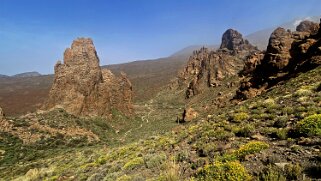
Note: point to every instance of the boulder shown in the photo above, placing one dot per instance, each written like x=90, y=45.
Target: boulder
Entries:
x=189, y=114
x=233, y=40
x=308, y=26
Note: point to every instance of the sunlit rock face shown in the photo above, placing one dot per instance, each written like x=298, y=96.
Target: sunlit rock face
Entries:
x=82, y=88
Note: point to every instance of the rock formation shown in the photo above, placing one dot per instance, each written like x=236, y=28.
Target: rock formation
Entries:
x=189, y=114
x=308, y=26
x=82, y=88
x=287, y=54
x=207, y=68
x=233, y=40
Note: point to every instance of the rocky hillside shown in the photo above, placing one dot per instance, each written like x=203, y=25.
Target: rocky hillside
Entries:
x=207, y=68
x=287, y=54
x=82, y=88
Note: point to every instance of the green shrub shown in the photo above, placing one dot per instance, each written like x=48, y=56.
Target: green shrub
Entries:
x=282, y=134
x=288, y=110
x=154, y=160
x=272, y=174
x=245, y=131
x=293, y=172
x=228, y=171
x=134, y=163
x=172, y=172
x=281, y=122
x=239, y=117
x=303, y=92
x=250, y=148
x=124, y=178
x=101, y=160
x=310, y=126
x=318, y=87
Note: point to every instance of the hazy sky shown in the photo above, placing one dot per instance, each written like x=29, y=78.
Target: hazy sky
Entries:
x=34, y=33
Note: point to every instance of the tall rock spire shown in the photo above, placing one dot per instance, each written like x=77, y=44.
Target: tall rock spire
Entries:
x=82, y=88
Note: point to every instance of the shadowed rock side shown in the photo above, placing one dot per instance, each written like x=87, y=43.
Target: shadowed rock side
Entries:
x=82, y=88
x=207, y=68
x=308, y=26
x=287, y=54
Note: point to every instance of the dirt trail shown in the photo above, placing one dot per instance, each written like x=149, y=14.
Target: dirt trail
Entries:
x=145, y=118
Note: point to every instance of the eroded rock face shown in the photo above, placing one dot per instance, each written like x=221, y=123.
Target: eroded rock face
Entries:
x=277, y=54
x=82, y=88
x=206, y=68
x=233, y=40
x=251, y=62
x=287, y=54
x=308, y=26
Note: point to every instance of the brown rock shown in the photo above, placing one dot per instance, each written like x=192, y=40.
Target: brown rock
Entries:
x=278, y=51
x=82, y=88
x=251, y=62
x=207, y=68
x=308, y=26
x=188, y=115
x=233, y=40
x=287, y=54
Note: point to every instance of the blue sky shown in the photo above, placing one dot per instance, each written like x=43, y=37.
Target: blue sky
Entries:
x=35, y=33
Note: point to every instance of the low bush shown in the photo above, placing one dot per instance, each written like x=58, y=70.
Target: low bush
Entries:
x=250, y=148
x=224, y=171
x=239, y=117
x=134, y=163
x=310, y=126
x=245, y=131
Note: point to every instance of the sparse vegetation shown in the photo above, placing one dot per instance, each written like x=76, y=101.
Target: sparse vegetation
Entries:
x=226, y=171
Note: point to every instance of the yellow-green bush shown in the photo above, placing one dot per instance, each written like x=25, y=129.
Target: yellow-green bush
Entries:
x=250, y=148
x=134, y=163
x=155, y=160
x=242, y=116
x=124, y=178
x=272, y=174
x=310, y=126
x=224, y=171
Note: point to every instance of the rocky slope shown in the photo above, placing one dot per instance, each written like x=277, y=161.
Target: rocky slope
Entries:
x=82, y=88
x=287, y=54
x=207, y=68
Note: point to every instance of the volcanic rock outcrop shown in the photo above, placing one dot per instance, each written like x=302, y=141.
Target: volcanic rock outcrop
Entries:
x=233, y=40
x=308, y=26
x=206, y=68
x=82, y=88
x=287, y=54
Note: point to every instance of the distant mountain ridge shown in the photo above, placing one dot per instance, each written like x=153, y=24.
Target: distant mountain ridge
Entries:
x=3, y=76
x=27, y=74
